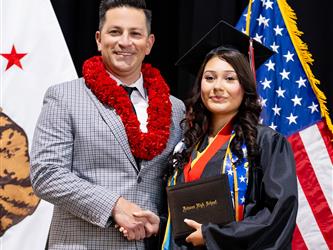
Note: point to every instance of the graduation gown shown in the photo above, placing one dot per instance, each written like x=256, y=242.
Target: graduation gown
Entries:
x=270, y=203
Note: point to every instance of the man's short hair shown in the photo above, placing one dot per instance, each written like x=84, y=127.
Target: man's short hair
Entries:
x=111, y=4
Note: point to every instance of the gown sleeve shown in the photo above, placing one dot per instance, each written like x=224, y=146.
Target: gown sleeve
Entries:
x=271, y=203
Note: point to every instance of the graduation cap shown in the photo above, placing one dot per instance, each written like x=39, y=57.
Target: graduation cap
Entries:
x=223, y=34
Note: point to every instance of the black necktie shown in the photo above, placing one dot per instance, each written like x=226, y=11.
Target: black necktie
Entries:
x=129, y=91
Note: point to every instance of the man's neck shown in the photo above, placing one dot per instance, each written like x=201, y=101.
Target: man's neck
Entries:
x=128, y=81
x=127, y=78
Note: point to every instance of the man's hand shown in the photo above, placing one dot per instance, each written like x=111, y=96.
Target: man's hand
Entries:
x=122, y=214
x=152, y=221
x=196, y=237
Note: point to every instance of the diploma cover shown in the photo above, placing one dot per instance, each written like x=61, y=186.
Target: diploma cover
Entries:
x=206, y=200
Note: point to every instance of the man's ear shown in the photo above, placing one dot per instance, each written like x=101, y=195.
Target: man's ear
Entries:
x=150, y=43
x=98, y=40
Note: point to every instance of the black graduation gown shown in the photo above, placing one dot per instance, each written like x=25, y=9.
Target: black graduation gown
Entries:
x=271, y=200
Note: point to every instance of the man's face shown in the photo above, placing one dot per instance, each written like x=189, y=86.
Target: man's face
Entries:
x=124, y=42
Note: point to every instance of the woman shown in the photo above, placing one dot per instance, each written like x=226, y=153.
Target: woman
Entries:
x=223, y=136
x=225, y=104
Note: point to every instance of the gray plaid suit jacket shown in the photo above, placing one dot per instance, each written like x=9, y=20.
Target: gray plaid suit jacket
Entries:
x=82, y=163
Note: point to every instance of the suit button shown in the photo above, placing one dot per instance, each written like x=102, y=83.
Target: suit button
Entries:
x=139, y=179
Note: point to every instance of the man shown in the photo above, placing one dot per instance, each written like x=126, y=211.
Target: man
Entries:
x=98, y=153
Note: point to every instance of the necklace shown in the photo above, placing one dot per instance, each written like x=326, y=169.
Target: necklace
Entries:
x=143, y=145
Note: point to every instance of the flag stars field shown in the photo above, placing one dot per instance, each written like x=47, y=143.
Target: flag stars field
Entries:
x=242, y=179
x=270, y=65
x=314, y=108
x=289, y=56
x=292, y=119
x=266, y=23
x=261, y=20
x=258, y=38
x=285, y=74
x=280, y=92
x=297, y=101
x=268, y=4
x=276, y=110
x=263, y=102
x=275, y=47
x=278, y=30
x=273, y=126
x=301, y=82
x=266, y=83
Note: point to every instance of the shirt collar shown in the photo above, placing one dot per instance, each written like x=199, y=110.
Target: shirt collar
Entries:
x=138, y=84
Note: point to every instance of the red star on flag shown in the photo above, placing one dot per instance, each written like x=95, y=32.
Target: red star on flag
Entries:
x=13, y=58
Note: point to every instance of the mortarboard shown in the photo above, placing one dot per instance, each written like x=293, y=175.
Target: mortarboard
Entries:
x=222, y=34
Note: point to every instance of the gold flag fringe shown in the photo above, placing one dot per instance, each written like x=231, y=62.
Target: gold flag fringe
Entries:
x=305, y=57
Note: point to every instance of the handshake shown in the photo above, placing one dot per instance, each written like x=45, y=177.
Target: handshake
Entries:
x=133, y=222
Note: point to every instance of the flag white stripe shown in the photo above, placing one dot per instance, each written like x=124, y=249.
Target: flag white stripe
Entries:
x=320, y=160
x=307, y=224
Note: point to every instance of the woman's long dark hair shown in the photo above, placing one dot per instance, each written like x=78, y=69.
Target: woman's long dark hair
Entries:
x=197, y=120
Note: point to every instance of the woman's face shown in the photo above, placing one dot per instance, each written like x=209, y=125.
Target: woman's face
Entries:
x=221, y=91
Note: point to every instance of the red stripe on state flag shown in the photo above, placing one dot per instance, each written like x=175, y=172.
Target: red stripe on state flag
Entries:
x=298, y=241
x=311, y=187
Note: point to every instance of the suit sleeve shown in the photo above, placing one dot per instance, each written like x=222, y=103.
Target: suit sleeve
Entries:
x=270, y=212
x=51, y=163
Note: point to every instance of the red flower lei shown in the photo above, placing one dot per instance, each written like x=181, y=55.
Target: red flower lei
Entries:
x=143, y=145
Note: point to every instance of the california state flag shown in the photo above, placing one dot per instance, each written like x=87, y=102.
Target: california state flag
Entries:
x=33, y=56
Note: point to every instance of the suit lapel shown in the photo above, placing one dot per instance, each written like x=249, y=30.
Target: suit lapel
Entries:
x=116, y=126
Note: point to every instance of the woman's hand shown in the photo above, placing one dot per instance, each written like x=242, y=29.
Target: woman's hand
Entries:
x=195, y=238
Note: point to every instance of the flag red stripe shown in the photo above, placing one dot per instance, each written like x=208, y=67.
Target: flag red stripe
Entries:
x=327, y=137
x=312, y=190
x=298, y=241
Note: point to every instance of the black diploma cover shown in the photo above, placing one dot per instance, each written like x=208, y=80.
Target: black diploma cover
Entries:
x=206, y=200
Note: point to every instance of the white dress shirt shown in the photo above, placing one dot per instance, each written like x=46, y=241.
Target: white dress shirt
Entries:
x=139, y=98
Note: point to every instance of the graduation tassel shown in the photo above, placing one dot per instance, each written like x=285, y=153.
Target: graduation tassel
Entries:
x=251, y=58
x=247, y=32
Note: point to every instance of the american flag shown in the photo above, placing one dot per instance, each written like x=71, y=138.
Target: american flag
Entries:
x=294, y=106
